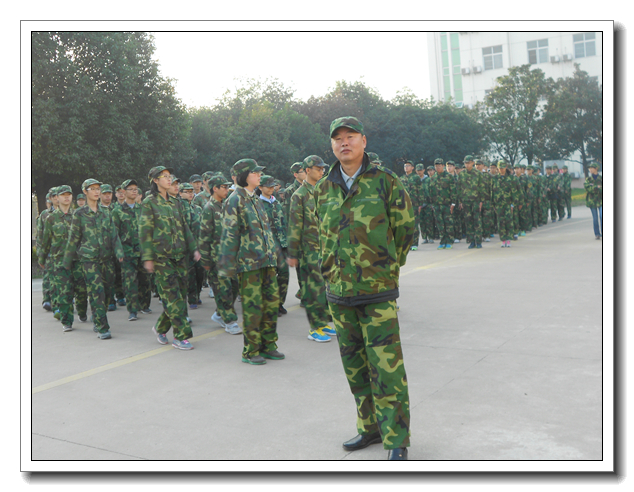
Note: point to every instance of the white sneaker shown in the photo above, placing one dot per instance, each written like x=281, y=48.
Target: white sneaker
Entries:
x=218, y=319
x=456, y=241
x=487, y=240
x=211, y=293
x=233, y=328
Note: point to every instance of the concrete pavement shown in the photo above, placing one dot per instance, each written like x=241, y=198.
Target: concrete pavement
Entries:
x=502, y=347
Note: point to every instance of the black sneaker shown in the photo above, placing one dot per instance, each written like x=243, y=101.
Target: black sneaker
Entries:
x=282, y=310
x=121, y=302
x=256, y=360
x=273, y=355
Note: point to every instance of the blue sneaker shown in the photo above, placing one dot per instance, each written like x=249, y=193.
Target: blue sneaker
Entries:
x=193, y=306
x=448, y=246
x=162, y=339
x=471, y=245
x=105, y=335
x=478, y=246
x=182, y=344
x=112, y=307
x=442, y=246
x=329, y=331
x=318, y=336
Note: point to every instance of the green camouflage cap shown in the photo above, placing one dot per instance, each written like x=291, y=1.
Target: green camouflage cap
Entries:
x=89, y=182
x=548, y=167
x=479, y=161
x=194, y=178
x=459, y=165
x=451, y=163
x=64, y=189
x=278, y=182
x=439, y=161
x=554, y=166
x=175, y=179
x=266, y=180
x=347, y=122
x=185, y=186
x=106, y=188
x=431, y=168
x=155, y=171
x=218, y=181
x=117, y=188
x=53, y=191
x=296, y=167
x=312, y=161
x=564, y=167
x=206, y=175
x=502, y=163
x=594, y=164
x=373, y=157
x=420, y=167
x=81, y=196
x=246, y=165
x=129, y=182
x=468, y=158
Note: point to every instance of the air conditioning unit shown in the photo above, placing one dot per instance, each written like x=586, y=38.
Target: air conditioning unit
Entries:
x=567, y=57
x=477, y=69
x=466, y=71
x=554, y=59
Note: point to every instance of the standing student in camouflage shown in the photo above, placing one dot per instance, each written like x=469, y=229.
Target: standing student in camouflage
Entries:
x=427, y=220
x=136, y=282
x=225, y=289
x=486, y=215
x=51, y=198
x=566, y=185
x=534, y=192
x=303, y=251
x=202, y=197
x=443, y=195
x=194, y=270
x=422, y=202
x=505, y=198
x=525, y=215
x=114, y=289
x=275, y=213
x=299, y=173
x=551, y=187
x=594, y=198
x=366, y=224
x=558, y=181
x=544, y=202
x=411, y=183
x=471, y=192
x=166, y=243
x=247, y=248
x=93, y=238
x=374, y=159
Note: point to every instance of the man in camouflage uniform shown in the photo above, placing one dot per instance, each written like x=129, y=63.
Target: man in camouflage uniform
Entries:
x=300, y=176
x=119, y=194
x=81, y=200
x=493, y=172
x=166, y=244
x=544, y=202
x=525, y=215
x=247, y=248
x=566, y=185
x=427, y=220
x=486, y=216
x=374, y=159
x=471, y=192
x=534, y=192
x=51, y=197
x=443, y=195
x=505, y=196
x=275, y=213
x=411, y=182
x=136, y=282
x=303, y=251
x=551, y=187
x=594, y=198
x=93, y=238
x=202, y=197
x=366, y=225
x=225, y=289
x=194, y=270
x=115, y=288
x=66, y=283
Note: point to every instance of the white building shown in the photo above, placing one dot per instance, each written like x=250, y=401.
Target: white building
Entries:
x=464, y=66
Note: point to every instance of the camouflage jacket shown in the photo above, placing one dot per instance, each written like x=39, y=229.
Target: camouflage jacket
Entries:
x=594, y=191
x=201, y=199
x=566, y=183
x=192, y=216
x=506, y=190
x=163, y=229
x=55, y=235
x=126, y=220
x=39, y=228
x=247, y=242
x=470, y=186
x=365, y=233
x=93, y=237
x=210, y=233
x=276, y=217
x=287, y=198
x=487, y=181
x=303, y=229
x=425, y=191
x=554, y=184
x=442, y=189
x=543, y=185
x=412, y=184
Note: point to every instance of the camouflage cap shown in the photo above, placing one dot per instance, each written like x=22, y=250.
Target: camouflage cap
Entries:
x=106, y=188
x=175, y=179
x=420, y=167
x=297, y=167
x=266, y=180
x=502, y=163
x=90, y=182
x=218, y=181
x=312, y=161
x=439, y=161
x=373, y=157
x=206, y=175
x=346, y=122
x=278, y=182
x=564, y=167
x=549, y=167
x=53, y=191
x=118, y=187
x=81, y=196
x=459, y=165
x=246, y=165
x=431, y=168
x=479, y=161
x=593, y=164
x=185, y=186
x=468, y=158
x=451, y=163
x=129, y=182
x=155, y=171
x=194, y=178
x=64, y=189
x=554, y=166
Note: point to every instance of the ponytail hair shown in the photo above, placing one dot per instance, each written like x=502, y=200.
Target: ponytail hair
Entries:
x=241, y=179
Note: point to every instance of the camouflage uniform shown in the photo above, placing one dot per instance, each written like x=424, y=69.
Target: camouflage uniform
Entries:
x=471, y=191
x=545, y=200
x=303, y=245
x=136, y=282
x=554, y=190
x=366, y=232
x=566, y=185
x=115, y=289
x=526, y=212
x=194, y=269
x=247, y=248
x=505, y=198
x=39, y=229
x=594, y=200
x=225, y=289
x=166, y=240
x=412, y=184
x=488, y=213
x=443, y=194
x=94, y=240
x=426, y=212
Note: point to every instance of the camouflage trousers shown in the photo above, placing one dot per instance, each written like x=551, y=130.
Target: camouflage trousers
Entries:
x=568, y=202
x=195, y=274
x=313, y=290
x=526, y=217
x=46, y=284
x=118, y=280
x=99, y=275
x=444, y=219
x=534, y=213
x=225, y=294
x=505, y=221
x=64, y=287
x=260, y=306
x=283, y=277
x=458, y=220
x=79, y=289
x=554, y=208
x=473, y=221
x=136, y=285
x=416, y=230
x=427, y=222
x=372, y=357
x=516, y=219
x=170, y=277
x=488, y=219
x=545, y=204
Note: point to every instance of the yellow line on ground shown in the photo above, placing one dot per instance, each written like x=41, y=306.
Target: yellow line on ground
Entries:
x=116, y=364
x=435, y=264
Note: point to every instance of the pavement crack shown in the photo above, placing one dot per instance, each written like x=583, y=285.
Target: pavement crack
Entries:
x=88, y=446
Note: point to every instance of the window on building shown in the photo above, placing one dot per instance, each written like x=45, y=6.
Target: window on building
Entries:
x=584, y=44
x=537, y=51
x=492, y=57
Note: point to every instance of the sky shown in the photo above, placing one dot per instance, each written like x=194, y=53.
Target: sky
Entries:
x=206, y=64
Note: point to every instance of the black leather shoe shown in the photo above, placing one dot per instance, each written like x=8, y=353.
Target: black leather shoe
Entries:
x=361, y=442
x=397, y=454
